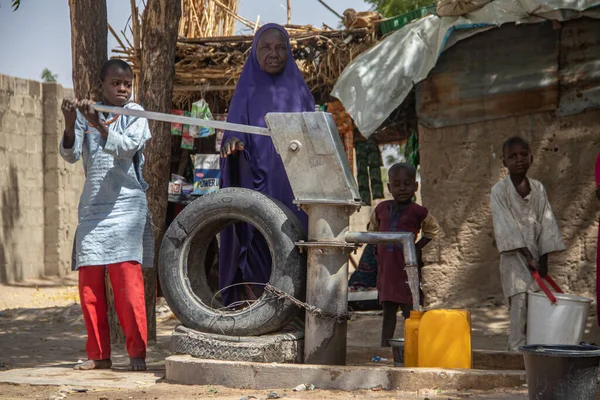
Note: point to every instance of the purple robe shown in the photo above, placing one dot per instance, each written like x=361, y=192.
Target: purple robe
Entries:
x=244, y=254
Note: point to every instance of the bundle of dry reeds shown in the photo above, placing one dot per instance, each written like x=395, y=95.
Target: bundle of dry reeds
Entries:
x=214, y=64
x=208, y=18
x=209, y=59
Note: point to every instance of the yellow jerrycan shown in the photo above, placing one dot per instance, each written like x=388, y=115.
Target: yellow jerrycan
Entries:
x=445, y=339
x=411, y=339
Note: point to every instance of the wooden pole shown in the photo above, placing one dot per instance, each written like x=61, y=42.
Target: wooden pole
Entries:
x=289, y=12
x=297, y=36
x=233, y=14
x=160, y=23
x=257, y=24
x=89, y=31
x=330, y=9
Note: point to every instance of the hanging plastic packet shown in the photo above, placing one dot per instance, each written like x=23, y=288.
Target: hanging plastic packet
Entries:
x=201, y=110
x=176, y=127
x=206, y=173
x=187, y=141
x=185, y=131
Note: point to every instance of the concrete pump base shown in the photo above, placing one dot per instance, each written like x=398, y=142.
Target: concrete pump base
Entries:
x=259, y=376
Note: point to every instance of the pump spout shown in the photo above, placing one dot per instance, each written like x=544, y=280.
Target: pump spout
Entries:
x=406, y=239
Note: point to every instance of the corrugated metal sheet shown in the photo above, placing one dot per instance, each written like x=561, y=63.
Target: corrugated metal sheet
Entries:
x=511, y=70
x=579, y=66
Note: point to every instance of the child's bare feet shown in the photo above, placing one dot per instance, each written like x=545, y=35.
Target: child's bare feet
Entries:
x=94, y=364
x=137, y=364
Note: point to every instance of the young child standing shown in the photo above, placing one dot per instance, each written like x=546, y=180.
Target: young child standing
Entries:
x=399, y=214
x=114, y=231
x=526, y=231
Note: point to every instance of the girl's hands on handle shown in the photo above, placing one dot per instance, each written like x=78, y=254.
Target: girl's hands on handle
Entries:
x=69, y=109
x=232, y=146
x=85, y=107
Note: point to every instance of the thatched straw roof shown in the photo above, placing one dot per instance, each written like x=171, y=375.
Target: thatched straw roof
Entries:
x=214, y=64
x=209, y=60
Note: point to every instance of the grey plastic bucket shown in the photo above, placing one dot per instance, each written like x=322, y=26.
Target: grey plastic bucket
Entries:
x=561, y=372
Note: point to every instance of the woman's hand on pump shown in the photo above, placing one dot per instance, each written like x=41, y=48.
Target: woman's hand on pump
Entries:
x=232, y=146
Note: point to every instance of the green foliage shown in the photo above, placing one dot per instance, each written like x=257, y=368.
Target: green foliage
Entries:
x=411, y=150
x=392, y=8
x=16, y=4
x=48, y=76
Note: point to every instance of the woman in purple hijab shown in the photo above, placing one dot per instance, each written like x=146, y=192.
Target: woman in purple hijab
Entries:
x=270, y=82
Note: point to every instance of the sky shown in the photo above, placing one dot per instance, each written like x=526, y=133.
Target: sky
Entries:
x=38, y=34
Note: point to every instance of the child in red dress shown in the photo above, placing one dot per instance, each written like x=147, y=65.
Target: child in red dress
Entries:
x=398, y=215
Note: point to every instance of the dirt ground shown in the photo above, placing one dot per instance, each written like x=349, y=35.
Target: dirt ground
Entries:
x=41, y=326
x=179, y=392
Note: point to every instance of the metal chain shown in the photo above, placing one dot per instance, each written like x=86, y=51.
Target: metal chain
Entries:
x=281, y=295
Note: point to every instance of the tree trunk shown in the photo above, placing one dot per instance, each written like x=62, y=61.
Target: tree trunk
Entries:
x=89, y=31
x=159, y=39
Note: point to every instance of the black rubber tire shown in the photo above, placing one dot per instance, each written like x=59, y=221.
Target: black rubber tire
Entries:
x=199, y=222
x=203, y=267
x=286, y=346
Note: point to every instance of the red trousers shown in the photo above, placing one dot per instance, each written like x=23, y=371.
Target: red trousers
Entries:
x=128, y=286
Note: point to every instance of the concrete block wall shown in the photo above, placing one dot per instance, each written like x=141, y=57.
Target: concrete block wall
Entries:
x=63, y=183
x=459, y=166
x=21, y=179
x=38, y=193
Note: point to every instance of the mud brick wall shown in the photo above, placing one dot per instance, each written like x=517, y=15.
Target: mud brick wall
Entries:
x=38, y=192
x=459, y=166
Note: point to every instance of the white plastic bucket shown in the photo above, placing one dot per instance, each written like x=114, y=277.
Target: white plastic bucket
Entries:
x=560, y=323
